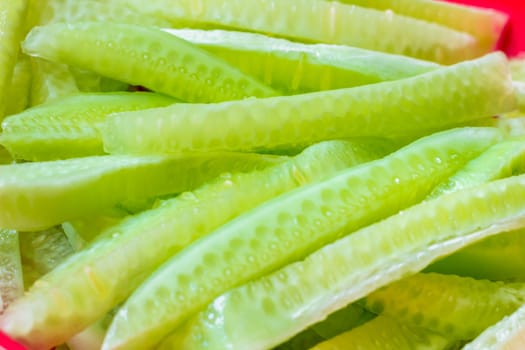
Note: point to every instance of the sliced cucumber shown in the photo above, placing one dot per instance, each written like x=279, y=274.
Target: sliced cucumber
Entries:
x=11, y=278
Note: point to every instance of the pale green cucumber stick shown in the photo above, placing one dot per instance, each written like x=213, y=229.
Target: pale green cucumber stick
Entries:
x=287, y=228
x=435, y=100
x=295, y=67
x=517, y=69
x=484, y=24
x=70, y=126
x=520, y=93
x=11, y=280
x=144, y=56
x=322, y=21
x=40, y=195
x=384, y=333
x=103, y=275
x=13, y=13
x=458, y=307
x=266, y=312
x=508, y=334
x=18, y=94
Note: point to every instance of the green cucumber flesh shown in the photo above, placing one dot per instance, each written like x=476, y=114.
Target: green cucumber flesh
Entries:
x=11, y=278
x=286, y=229
x=50, y=81
x=18, y=94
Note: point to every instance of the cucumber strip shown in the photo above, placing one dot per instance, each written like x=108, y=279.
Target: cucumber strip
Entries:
x=11, y=32
x=343, y=320
x=285, y=229
x=143, y=56
x=508, y=334
x=321, y=21
x=90, y=338
x=105, y=273
x=18, y=94
x=501, y=160
x=5, y=157
x=499, y=258
x=88, y=81
x=11, y=279
x=50, y=81
x=484, y=24
x=70, y=126
x=513, y=126
x=384, y=333
x=520, y=93
x=460, y=308
x=435, y=100
x=83, y=231
x=265, y=312
x=304, y=340
x=297, y=68
x=517, y=69
x=39, y=195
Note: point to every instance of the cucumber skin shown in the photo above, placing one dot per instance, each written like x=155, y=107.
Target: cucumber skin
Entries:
x=287, y=228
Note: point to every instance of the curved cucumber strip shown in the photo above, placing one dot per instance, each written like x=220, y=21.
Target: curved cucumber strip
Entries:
x=11, y=278
x=104, y=274
x=501, y=160
x=287, y=228
x=266, y=312
x=495, y=258
x=321, y=21
x=295, y=67
x=458, y=307
x=69, y=127
x=19, y=92
x=11, y=32
x=430, y=101
x=143, y=56
x=40, y=195
x=508, y=334
x=384, y=333
x=484, y=24
x=50, y=81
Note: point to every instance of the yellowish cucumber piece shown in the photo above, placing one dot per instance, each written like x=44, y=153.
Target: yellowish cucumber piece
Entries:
x=498, y=258
x=39, y=195
x=508, y=334
x=105, y=273
x=432, y=101
x=458, y=307
x=11, y=32
x=296, y=68
x=270, y=310
x=304, y=340
x=11, y=277
x=320, y=21
x=50, y=81
x=385, y=333
x=288, y=228
x=484, y=24
x=520, y=93
x=70, y=126
x=19, y=92
x=143, y=56
x=343, y=320
x=501, y=160
x=517, y=69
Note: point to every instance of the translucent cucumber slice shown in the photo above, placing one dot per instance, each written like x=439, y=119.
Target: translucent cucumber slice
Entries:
x=498, y=258
x=508, y=334
x=501, y=160
x=296, y=67
x=321, y=21
x=384, y=333
x=285, y=229
x=11, y=33
x=70, y=126
x=39, y=195
x=11, y=278
x=458, y=307
x=270, y=310
x=50, y=81
x=19, y=92
x=107, y=271
x=484, y=24
x=430, y=101
x=143, y=56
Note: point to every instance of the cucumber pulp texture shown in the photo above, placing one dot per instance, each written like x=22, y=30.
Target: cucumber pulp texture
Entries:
x=50, y=81
x=40, y=195
x=70, y=126
x=321, y=21
x=384, y=333
x=297, y=68
x=460, y=308
x=11, y=280
x=18, y=94
x=286, y=229
x=435, y=100
x=266, y=312
x=119, y=259
x=484, y=24
x=143, y=56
